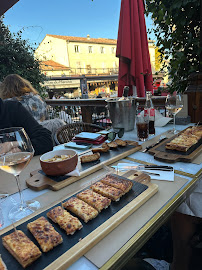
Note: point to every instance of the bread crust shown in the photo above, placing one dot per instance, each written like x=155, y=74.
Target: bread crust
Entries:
x=132, y=143
x=21, y=247
x=81, y=209
x=45, y=234
x=121, y=142
x=185, y=140
x=112, y=145
x=65, y=220
x=108, y=191
x=90, y=158
x=114, y=181
x=2, y=264
x=94, y=199
x=105, y=148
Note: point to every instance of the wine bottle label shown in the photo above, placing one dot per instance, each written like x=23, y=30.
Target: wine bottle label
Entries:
x=146, y=112
x=152, y=112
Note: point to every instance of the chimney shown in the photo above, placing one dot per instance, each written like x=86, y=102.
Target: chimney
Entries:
x=88, y=36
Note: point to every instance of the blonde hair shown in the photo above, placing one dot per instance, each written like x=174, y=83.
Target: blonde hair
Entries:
x=15, y=86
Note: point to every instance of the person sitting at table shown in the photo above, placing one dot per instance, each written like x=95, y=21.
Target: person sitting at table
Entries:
x=185, y=223
x=14, y=87
x=13, y=114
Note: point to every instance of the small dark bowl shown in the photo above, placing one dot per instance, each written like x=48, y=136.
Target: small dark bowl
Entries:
x=59, y=167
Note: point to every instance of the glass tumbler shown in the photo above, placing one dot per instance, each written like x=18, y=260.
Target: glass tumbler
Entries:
x=142, y=124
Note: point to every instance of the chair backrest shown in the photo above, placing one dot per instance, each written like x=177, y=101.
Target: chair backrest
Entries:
x=66, y=133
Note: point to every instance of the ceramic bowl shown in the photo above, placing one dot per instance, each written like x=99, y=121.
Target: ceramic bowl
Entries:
x=56, y=168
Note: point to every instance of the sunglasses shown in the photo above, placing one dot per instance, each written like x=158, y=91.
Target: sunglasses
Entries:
x=112, y=134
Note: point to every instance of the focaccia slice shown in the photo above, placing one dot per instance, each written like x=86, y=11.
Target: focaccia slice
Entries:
x=108, y=191
x=182, y=143
x=45, y=234
x=2, y=264
x=65, y=220
x=81, y=209
x=21, y=247
x=195, y=130
x=94, y=199
x=120, y=183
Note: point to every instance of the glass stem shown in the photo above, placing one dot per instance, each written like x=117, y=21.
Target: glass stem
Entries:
x=174, y=122
x=17, y=178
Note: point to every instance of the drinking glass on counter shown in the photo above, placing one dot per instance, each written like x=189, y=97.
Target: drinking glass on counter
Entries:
x=174, y=105
x=142, y=123
x=16, y=151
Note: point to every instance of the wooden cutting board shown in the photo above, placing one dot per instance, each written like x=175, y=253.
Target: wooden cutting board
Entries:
x=40, y=181
x=171, y=156
x=60, y=261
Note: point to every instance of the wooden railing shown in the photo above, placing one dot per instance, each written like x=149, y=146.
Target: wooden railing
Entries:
x=88, y=110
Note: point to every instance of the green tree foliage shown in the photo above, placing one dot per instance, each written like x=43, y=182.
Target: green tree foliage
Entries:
x=177, y=31
x=17, y=57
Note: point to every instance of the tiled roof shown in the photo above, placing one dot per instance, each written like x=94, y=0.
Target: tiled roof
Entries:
x=86, y=39
x=52, y=65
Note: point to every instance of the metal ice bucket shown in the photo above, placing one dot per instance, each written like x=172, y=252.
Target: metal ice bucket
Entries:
x=122, y=113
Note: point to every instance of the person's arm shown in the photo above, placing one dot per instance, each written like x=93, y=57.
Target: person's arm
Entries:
x=40, y=137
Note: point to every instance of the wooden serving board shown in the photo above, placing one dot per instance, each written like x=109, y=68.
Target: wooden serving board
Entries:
x=64, y=255
x=172, y=156
x=40, y=181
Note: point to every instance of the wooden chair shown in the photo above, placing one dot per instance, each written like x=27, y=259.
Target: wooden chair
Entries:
x=66, y=133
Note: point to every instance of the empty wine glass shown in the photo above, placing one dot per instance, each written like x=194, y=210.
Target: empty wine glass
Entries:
x=16, y=152
x=174, y=104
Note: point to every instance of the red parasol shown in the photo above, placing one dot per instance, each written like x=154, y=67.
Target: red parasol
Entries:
x=132, y=49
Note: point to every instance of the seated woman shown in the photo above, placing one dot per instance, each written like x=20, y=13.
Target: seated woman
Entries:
x=13, y=114
x=14, y=87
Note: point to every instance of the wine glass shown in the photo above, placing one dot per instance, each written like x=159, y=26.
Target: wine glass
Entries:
x=174, y=104
x=16, y=151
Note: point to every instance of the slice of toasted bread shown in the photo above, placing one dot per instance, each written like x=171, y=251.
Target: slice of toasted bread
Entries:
x=90, y=158
x=113, y=145
x=120, y=142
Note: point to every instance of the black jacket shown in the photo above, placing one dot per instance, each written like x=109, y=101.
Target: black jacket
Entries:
x=13, y=114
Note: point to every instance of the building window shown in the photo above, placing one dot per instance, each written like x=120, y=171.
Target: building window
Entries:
x=78, y=67
x=76, y=48
x=113, y=50
x=103, y=67
x=102, y=50
x=90, y=49
x=88, y=67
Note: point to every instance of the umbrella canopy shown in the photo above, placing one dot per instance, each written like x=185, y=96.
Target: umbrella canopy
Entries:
x=133, y=50
x=6, y=4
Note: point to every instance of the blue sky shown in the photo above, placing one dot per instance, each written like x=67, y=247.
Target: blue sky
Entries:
x=98, y=18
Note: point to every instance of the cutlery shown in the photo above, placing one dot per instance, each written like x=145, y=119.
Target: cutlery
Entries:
x=150, y=173
x=145, y=167
x=162, y=138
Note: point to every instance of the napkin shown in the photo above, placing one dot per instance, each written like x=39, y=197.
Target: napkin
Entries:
x=160, y=120
x=163, y=175
x=75, y=172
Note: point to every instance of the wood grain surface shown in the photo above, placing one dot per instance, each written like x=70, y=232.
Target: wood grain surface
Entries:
x=86, y=243
x=171, y=156
x=38, y=181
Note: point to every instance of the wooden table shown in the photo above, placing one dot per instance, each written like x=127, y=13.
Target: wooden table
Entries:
x=125, y=240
